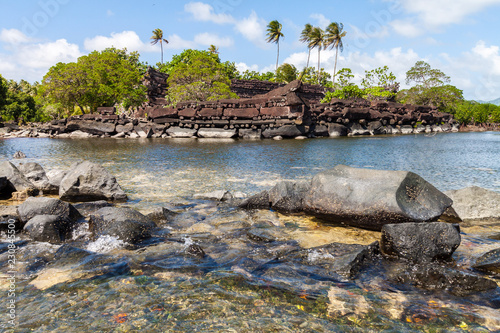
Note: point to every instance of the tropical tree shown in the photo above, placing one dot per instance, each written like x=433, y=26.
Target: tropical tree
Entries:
x=213, y=49
x=305, y=37
x=316, y=40
x=422, y=74
x=273, y=36
x=158, y=37
x=286, y=73
x=333, y=39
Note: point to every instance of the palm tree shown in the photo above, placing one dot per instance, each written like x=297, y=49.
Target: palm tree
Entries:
x=305, y=37
x=213, y=49
x=273, y=36
x=158, y=37
x=333, y=39
x=317, y=39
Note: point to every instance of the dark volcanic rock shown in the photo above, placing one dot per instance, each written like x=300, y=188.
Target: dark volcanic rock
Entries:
x=371, y=198
x=420, y=242
x=124, y=223
x=434, y=277
x=18, y=182
x=286, y=131
x=288, y=196
x=47, y=206
x=335, y=130
x=489, y=262
x=87, y=181
x=258, y=201
x=19, y=155
x=5, y=187
x=48, y=228
x=37, y=176
x=8, y=214
x=89, y=208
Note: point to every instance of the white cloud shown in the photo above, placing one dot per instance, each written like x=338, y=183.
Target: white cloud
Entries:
x=205, y=12
x=13, y=36
x=253, y=28
x=429, y=15
x=31, y=61
x=175, y=42
x=213, y=39
x=241, y=66
x=109, y=12
x=120, y=40
x=321, y=20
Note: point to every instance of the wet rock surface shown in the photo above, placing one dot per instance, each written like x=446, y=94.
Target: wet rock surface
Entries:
x=126, y=224
x=37, y=176
x=420, y=242
x=475, y=205
x=17, y=181
x=489, y=262
x=87, y=181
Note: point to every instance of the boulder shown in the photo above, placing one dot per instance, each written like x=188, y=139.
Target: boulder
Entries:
x=257, y=201
x=92, y=127
x=87, y=181
x=161, y=215
x=420, y=242
x=47, y=206
x=216, y=133
x=55, y=177
x=437, y=277
x=88, y=208
x=286, y=131
x=476, y=204
x=19, y=155
x=37, y=176
x=18, y=182
x=48, y=228
x=80, y=135
x=371, y=198
x=335, y=130
x=489, y=262
x=5, y=188
x=8, y=214
x=288, y=196
x=180, y=132
x=250, y=134
x=358, y=129
x=126, y=224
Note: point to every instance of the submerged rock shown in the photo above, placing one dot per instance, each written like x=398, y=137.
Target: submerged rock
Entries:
x=419, y=242
x=126, y=224
x=19, y=155
x=476, y=204
x=8, y=215
x=435, y=277
x=37, y=176
x=88, y=208
x=371, y=198
x=288, y=196
x=489, y=262
x=87, y=181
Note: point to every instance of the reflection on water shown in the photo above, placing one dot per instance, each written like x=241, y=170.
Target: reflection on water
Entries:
x=158, y=288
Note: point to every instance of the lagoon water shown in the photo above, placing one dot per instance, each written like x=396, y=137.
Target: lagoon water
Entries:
x=163, y=293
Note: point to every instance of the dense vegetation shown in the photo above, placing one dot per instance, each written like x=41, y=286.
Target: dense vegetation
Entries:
x=114, y=77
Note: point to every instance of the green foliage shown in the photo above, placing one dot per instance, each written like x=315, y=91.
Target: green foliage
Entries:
x=311, y=76
x=347, y=92
x=378, y=77
x=156, y=38
x=274, y=35
x=16, y=101
x=445, y=98
x=99, y=79
x=344, y=77
x=422, y=74
x=468, y=112
x=372, y=93
x=286, y=73
x=199, y=77
x=253, y=75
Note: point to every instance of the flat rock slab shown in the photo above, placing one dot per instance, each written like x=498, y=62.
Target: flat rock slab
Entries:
x=476, y=204
x=180, y=132
x=216, y=133
x=489, y=262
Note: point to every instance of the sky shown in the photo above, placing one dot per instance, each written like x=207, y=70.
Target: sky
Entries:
x=459, y=37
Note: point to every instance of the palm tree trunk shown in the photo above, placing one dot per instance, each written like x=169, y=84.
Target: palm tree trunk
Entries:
x=308, y=57
x=335, y=67
x=278, y=58
x=319, y=62
x=161, y=46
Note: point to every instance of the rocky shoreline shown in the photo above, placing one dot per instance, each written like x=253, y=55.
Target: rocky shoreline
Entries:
x=285, y=112
x=419, y=230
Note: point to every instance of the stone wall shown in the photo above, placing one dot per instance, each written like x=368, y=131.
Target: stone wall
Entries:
x=285, y=112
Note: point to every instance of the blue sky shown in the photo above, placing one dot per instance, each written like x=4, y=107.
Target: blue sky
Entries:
x=460, y=37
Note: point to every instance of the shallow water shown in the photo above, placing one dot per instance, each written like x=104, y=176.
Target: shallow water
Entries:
x=164, y=290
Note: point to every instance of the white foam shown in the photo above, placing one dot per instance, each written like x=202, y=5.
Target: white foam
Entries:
x=315, y=255
x=105, y=244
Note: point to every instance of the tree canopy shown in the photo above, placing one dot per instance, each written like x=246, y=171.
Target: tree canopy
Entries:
x=198, y=76
x=17, y=101
x=98, y=79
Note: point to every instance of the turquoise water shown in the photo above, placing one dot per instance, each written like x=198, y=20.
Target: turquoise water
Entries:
x=164, y=290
